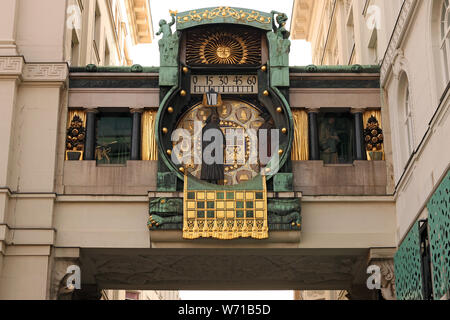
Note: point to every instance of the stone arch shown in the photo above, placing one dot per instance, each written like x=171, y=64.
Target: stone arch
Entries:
x=442, y=76
x=405, y=118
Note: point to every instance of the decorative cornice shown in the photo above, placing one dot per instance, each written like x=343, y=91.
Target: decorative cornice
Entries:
x=46, y=72
x=11, y=66
x=397, y=37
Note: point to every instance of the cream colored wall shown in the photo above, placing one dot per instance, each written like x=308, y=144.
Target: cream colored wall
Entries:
x=108, y=34
x=417, y=180
x=328, y=222
x=40, y=35
x=117, y=36
x=120, y=222
x=336, y=27
x=24, y=275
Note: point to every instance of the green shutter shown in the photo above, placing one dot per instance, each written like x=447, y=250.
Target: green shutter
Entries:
x=439, y=223
x=407, y=267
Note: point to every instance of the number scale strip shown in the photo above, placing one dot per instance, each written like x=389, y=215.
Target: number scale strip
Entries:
x=224, y=84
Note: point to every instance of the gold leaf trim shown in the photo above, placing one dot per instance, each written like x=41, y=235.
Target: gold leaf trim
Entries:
x=224, y=12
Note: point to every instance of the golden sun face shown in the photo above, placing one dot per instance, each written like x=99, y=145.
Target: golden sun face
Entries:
x=223, y=52
x=223, y=47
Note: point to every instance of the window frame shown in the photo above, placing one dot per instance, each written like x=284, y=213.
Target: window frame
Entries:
x=444, y=38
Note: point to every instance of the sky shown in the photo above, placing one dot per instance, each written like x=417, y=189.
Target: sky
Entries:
x=148, y=54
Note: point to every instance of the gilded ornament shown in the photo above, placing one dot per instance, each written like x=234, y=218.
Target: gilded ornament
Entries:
x=225, y=12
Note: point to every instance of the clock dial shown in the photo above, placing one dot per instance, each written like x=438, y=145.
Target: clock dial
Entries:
x=234, y=114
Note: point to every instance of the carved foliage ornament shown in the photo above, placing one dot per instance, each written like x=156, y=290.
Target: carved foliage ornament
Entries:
x=224, y=12
x=373, y=135
x=75, y=135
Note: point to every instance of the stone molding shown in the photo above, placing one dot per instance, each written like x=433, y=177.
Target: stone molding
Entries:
x=11, y=65
x=397, y=36
x=46, y=72
x=16, y=66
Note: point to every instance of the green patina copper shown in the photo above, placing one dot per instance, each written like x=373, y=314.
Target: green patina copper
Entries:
x=215, y=15
x=282, y=182
x=168, y=49
x=408, y=267
x=166, y=182
x=335, y=69
x=279, y=49
x=439, y=224
x=132, y=69
x=167, y=214
x=254, y=184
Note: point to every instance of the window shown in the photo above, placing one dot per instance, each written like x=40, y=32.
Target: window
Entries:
x=408, y=122
x=405, y=120
x=75, y=49
x=336, y=137
x=107, y=60
x=113, y=138
x=97, y=32
x=445, y=38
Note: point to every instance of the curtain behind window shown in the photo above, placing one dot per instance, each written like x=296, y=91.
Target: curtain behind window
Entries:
x=113, y=139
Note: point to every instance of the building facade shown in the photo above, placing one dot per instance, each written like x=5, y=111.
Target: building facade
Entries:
x=409, y=39
x=98, y=187
x=102, y=32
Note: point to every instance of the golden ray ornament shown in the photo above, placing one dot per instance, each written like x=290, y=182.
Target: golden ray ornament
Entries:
x=235, y=47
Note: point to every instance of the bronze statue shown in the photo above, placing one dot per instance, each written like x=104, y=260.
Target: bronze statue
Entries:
x=165, y=28
x=329, y=141
x=280, y=30
x=215, y=172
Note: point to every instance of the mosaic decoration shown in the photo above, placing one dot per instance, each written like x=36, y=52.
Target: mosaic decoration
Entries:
x=439, y=224
x=408, y=267
x=239, y=15
x=75, y=139
x=233, y=45
x=373, y=135
x=226, y=213
x=234, y=114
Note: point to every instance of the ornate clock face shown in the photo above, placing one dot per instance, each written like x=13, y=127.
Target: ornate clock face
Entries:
x=234, y=114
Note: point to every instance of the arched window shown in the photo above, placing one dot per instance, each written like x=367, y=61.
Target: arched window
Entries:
x=408, y=121
x=445, y=38
x=405, y=119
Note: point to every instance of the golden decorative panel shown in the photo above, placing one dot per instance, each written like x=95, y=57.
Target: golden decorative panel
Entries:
x=234, y=46
x=225, y=214
x=222, y=13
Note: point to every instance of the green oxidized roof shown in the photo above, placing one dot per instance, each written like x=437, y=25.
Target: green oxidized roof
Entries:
x=296, y=69
x=131, y=69
x=249, y=17
x=336, y=69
